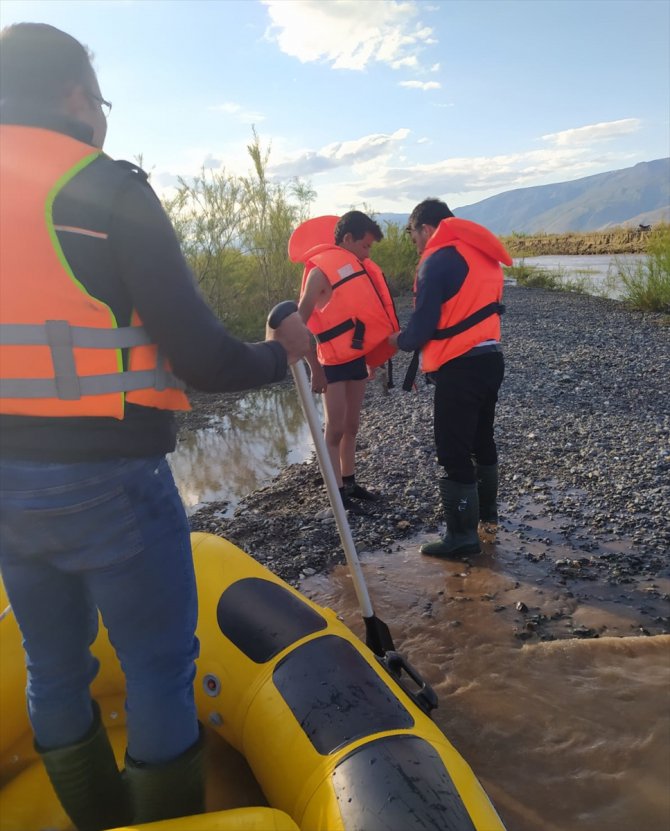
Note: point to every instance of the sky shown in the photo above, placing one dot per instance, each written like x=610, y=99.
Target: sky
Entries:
x=378, y=104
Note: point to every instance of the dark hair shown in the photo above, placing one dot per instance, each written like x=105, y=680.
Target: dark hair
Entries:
x=358, y=225
x=428, y=212
x=39, y=63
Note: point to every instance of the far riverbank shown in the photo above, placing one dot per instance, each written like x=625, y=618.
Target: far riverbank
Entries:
x=614, y=241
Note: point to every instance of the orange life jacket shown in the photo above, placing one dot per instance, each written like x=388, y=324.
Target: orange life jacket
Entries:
x=360, y=315
x=61, y=350
x=472, y=316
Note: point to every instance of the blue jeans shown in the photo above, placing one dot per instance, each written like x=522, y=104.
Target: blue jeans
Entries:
x=110, y=536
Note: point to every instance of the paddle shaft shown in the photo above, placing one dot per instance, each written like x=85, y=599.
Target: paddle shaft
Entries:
x=377, y=634
x=314, y=422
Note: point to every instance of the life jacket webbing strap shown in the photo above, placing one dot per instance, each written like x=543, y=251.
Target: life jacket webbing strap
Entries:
x=449, y=332
x=89, y=337
x=334, y=331
x=347, y=325
x=412, y=369
x=347, y=278
x=359, y=335
x=87, y=384
x=469, y=321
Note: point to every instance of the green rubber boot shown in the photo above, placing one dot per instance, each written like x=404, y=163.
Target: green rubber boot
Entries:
x=87, y=781
x=172, y=789
x=487, y=488
x=461, y=509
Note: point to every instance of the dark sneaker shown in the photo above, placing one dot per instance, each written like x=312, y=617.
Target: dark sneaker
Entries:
x=351, y=507
x=356, y=491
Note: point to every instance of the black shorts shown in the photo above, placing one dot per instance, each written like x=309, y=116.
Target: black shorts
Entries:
x=356, y=370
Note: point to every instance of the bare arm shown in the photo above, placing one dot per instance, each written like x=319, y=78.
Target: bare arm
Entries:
x=316, y=294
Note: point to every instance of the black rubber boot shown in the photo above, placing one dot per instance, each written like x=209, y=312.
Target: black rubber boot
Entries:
x=172, y=789
x=487, y=487
x=461, y=508
x=87, y=781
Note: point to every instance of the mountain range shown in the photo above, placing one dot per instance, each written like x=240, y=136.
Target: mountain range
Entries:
x=627, y=197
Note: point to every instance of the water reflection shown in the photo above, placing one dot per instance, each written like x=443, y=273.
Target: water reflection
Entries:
x=243, y=449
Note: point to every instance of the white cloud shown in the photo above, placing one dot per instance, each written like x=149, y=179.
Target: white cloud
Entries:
x=339, y=154
x=238, y=112
x=409, y=61
x=349, y=34
x=435, y=67
x=424, y=85
x=492, y=174
x=603, y=131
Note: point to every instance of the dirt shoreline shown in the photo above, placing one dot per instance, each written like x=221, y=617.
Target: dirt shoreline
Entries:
x=584, y=440
x=616, y=241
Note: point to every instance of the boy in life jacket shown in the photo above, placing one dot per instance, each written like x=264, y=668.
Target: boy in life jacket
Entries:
x=346, y=303
x=456, y=327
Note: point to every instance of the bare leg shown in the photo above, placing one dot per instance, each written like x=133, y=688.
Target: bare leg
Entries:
x=355, y=392
x=335, y=407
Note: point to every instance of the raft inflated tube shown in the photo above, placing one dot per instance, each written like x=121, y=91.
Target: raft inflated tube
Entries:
x=332, y=739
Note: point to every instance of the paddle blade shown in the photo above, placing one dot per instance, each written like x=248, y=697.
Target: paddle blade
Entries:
x=317, y=231
x=377, y=636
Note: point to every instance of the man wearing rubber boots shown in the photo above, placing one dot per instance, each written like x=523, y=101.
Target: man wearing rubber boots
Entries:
x=456, y=327
x=101, y=327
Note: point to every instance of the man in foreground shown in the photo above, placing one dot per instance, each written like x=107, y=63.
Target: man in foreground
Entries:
x=456, y=327
x=101, y=325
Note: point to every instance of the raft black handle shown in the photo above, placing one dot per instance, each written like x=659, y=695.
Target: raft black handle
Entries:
x=425, y=696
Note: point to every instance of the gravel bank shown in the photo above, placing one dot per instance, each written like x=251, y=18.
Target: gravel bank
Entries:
x=583, y=432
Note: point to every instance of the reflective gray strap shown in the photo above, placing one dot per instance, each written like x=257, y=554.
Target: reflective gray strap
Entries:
x=33, y=334
x=88, y=384
x=162, y=373
x=62, y=338
x=59, y=338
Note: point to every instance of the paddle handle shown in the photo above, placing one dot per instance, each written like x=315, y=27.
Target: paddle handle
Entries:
x=276, y=316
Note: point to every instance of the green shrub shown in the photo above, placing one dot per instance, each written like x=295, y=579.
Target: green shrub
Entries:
x=533, y=276
x=646, y=284
x=397, y=258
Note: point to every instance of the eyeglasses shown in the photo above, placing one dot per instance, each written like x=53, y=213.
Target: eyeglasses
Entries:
x=106, y=106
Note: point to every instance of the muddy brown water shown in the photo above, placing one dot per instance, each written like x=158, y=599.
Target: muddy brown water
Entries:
x=563, y=735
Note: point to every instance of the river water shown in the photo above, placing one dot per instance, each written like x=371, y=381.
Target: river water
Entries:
x=595, y=274
x=565, y=735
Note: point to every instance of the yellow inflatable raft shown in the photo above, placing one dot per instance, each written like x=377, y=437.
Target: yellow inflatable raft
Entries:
x=333, y=741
